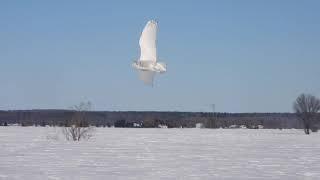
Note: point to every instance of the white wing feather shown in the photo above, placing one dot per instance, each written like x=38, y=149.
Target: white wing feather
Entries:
x=147, y=42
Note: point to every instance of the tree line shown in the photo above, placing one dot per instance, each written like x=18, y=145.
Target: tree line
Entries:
x=151, y=119
x=306, y=116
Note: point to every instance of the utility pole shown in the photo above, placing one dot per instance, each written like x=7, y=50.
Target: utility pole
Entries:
x=213, y=121
x=213, y=108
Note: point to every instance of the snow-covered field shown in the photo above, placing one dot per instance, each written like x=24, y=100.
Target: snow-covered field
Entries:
x=39, y=153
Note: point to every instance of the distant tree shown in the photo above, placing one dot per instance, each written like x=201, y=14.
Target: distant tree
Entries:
x=5, y=124
x=120, y=123
x=211, y=121
x=149, y=123
x=78, y=127
x=43, y=123
x=306, y=107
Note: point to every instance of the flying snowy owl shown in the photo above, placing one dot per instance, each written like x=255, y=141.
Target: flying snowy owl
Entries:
x=147, y=65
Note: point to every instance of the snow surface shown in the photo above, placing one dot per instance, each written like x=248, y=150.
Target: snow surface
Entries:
x=39, y=153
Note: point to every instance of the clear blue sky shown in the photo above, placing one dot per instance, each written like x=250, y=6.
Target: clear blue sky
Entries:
x=243, y=56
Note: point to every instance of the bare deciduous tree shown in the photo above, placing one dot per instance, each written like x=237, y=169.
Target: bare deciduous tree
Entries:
x=78, y=127
x=307, y=106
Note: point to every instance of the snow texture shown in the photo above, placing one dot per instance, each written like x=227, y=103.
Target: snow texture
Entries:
x=41, y=153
